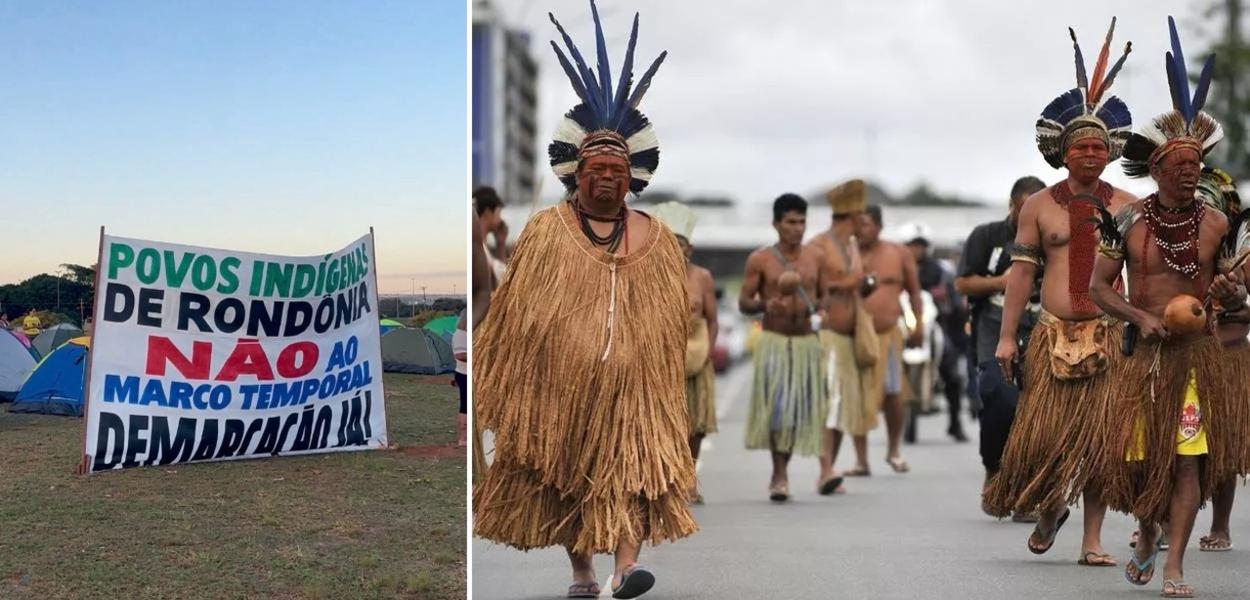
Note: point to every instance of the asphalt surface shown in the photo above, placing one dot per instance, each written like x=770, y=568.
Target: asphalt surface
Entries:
x=915, y=535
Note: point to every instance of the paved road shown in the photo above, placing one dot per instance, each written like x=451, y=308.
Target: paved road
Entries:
x=917, y=535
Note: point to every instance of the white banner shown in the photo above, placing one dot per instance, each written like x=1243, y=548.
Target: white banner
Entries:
x=201, y=354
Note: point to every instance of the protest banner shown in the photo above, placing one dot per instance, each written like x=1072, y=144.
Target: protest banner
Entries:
x=201, y=354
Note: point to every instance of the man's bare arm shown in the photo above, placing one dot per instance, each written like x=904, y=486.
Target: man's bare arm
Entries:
x=1106, y=271
x=749, y=301
x=981, y=286
x=710, y=308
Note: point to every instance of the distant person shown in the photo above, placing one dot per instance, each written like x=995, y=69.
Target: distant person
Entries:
x=892, y=270
x=31, y=324
x=489, y=208
x=88, y=326
x=700, y=376
x=460, y=347
x=4, y=321
x=851, y=411
x=577, y=368
x=789, y=404
x=939, y=281
x=983, y=279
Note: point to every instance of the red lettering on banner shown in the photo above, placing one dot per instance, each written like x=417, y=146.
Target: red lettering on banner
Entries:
x=306, y=352
x=161, y=351
x=247, y=358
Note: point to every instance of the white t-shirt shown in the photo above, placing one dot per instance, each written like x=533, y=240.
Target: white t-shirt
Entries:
x=460, y=344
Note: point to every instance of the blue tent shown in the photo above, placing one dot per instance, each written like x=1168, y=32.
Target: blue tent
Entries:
x=55, y=387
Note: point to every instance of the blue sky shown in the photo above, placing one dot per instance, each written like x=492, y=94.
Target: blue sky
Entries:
x=283, y=127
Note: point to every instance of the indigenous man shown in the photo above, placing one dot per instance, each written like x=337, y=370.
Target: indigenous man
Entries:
x=1058, y=438
x=889, y=270
x=983, y=279
x=850, y=410
x=578, y=365
x=788, y=400
x=1217, y=191
x=1176, y=422
x=701, y=290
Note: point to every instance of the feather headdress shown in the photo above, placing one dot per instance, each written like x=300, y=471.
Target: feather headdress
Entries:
x=1087, y=108
x=1186, y=125
x=606, y=120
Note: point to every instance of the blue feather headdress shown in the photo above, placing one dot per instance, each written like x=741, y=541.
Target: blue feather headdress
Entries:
x=1086, y=108
x=1186, y=125
x=605, y=120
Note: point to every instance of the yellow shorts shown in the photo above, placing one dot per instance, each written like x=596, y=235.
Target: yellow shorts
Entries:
x=1191, y=436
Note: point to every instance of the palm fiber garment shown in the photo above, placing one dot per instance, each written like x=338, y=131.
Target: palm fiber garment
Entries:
x=579, y=373
x=1059, y=439
x=700, y=386
x=1154, y=421
x=788, y=398
x=851, y=410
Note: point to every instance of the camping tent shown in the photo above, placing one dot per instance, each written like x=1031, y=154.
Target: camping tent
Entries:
x=389, y=324
x=444, y=326
x=416, y=351
x=54, y=336
x=56, y=385
x=17, y=360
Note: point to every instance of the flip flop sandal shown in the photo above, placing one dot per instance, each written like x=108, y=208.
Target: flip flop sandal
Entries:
x=1141, y=568
x=584, y=590
x=634, y=582
x=1100, y=559
x=1053, y=534
x=830, y=485
x=899, y=465
x=779, y=493
x=1180, y=589
x=1208, y=544
x=857, y=472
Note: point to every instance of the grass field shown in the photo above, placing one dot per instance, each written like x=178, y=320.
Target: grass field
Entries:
x=382, y=524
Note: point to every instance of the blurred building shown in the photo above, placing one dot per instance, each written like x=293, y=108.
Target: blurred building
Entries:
x=504, y=78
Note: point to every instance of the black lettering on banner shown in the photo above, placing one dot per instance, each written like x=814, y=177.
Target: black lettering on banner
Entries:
x=264, y=322
x=230, y=315
x=113, y=293
x=368, y=413
x=321, y=432
x=231, y=439
x=112, y=429
x=135, y=445
x=291, y=420
x=269, y=439
x=165, y=450
x=208, y=441
x=193, y=307
x=252, y=429
x=303, y=435
x=298, y=317
x=150, y=307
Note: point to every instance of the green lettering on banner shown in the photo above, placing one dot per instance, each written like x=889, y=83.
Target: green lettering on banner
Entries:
x=120, y=257
x=148, y=266
x=229, y=276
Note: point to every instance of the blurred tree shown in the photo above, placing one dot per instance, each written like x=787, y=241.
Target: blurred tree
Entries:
x=1229, y=101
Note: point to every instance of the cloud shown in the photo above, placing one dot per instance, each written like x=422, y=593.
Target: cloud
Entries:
x=757, y=98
